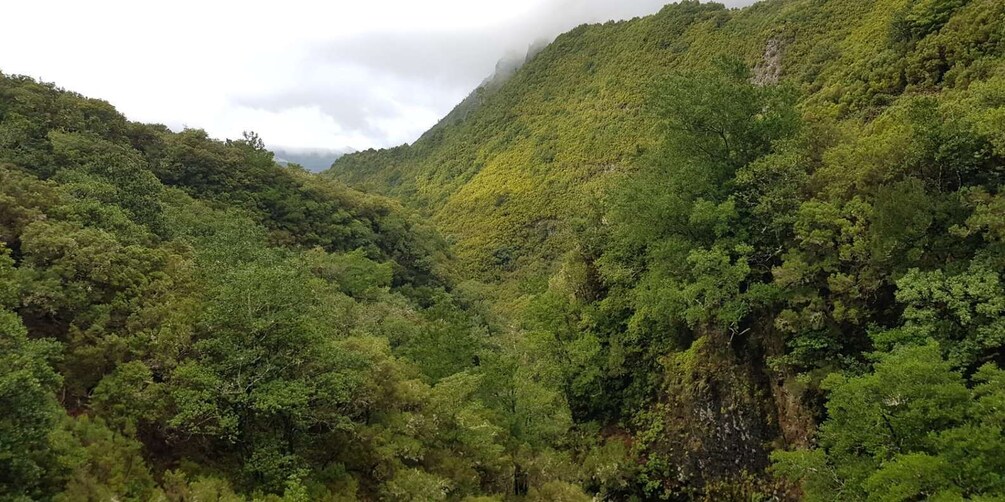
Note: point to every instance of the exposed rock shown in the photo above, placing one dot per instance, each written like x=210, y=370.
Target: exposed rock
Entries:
x=769, y=70
x=795, y=420
x=715, y=426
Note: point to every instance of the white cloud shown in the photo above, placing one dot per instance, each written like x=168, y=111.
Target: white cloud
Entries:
x=302, y=73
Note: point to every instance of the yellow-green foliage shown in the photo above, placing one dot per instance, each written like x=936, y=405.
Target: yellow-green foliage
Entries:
x=681, y=238
x=504, y=183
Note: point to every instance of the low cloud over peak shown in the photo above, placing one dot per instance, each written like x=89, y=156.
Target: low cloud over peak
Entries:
x=306, y=75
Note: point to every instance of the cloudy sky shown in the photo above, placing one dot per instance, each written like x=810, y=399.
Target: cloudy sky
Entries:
x=304, y=74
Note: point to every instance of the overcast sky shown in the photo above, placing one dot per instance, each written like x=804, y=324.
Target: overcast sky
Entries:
x=301, y=73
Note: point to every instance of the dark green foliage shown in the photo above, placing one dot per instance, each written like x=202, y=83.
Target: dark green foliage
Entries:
x=909, y=429
x=27, y=386
x=923, y=17
x=720, y=240
x=219, y=326
x=706, y=235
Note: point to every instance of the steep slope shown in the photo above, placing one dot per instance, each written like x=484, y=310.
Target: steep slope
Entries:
x=766, y=277
x=737, y=231
x=505, y=181
x=182, y=318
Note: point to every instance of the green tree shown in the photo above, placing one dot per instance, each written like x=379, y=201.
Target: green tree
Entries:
x=27, y=390
x=909, y=429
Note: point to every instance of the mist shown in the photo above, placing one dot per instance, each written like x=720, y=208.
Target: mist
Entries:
x=330, y=77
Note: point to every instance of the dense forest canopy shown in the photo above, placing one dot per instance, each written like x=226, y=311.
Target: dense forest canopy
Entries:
x=708, y=254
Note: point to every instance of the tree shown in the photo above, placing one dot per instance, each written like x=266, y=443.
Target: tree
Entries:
x=27, y=391
x=909, y=429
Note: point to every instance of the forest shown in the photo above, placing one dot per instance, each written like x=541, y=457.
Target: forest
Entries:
x=709, y=254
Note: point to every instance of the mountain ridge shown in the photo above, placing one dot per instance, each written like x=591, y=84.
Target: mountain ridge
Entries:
x=680, y=36
x=708, y=254
x=707, y=198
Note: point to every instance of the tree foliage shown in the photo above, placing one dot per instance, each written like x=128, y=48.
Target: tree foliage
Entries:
x=712, y=254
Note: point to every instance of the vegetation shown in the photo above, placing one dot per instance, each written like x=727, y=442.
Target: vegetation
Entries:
x=734, y=232
x=183, y=319
x=667, y=273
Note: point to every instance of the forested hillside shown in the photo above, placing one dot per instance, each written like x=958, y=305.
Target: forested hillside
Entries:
x=183, y=319
x=505, y=181
x=707, y=254
x=763, y=246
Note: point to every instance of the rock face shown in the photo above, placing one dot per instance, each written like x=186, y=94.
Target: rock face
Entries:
x=714, y=427
x=796, y=422
x=769, y=70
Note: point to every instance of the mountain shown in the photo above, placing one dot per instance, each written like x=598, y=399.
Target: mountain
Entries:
x=504, y=180
x=311, y=159
x=505, y=68
x=746, y=230
x=183, y=318
x=708, y=254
